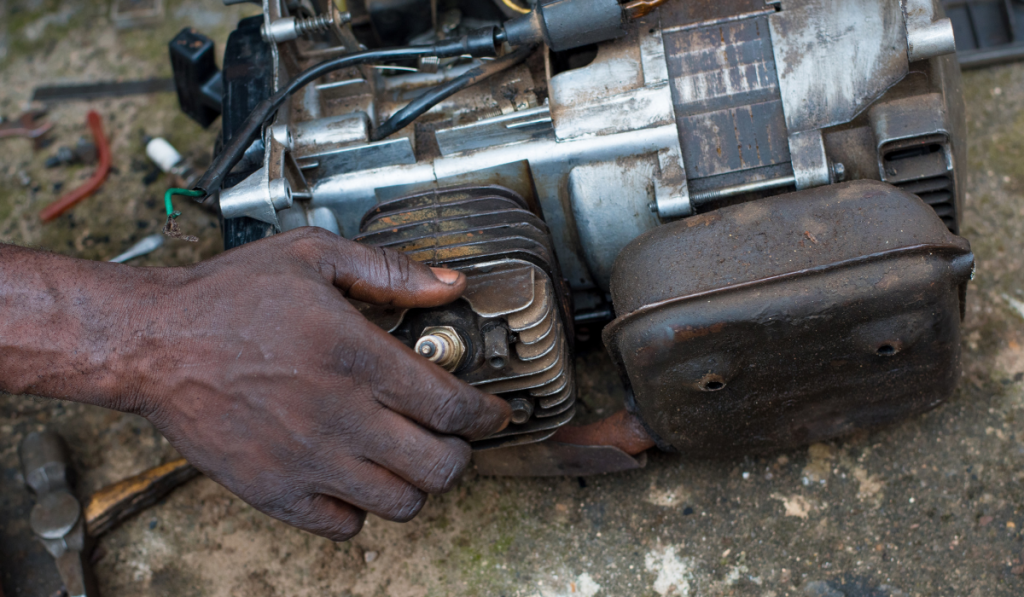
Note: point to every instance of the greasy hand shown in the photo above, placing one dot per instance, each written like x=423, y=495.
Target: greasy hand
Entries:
x=263, y=376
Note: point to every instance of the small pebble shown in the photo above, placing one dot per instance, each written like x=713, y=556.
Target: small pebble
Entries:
x=370, y=556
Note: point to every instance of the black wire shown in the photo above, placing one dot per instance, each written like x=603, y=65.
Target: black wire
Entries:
x=432, y=97
x=250, y=129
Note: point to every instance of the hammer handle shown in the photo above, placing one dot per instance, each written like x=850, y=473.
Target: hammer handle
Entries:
x=113, y=505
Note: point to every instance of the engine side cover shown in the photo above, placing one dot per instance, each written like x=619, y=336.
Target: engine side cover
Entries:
x=790, y=320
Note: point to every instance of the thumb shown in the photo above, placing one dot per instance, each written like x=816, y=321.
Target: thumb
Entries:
x=388, y=277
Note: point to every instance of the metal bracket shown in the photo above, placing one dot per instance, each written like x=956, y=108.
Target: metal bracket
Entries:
x=810, y=164
x=253, y=198
x=671, y=192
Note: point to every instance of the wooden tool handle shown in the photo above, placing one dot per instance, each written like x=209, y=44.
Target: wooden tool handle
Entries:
x=114, y=504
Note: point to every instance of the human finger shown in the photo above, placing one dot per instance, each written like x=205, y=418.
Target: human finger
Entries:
x=326, y=516
x=370, y=487
x=377, y=275
x=425, y=459
x=440, y=402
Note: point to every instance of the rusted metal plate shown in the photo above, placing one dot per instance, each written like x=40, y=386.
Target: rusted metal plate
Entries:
x=554, y=459
x=721, y=65
x=791, y=319
x=838, y=55
x=734, y=139
x=725, y=93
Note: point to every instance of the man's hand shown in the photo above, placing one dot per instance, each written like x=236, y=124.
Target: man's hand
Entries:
x=259, y=371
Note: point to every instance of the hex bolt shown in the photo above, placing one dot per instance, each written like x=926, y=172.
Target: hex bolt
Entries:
x=521, y=410
x=442, y=345
x=838, y=172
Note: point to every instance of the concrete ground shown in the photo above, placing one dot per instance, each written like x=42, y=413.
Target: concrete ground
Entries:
x=932, y=506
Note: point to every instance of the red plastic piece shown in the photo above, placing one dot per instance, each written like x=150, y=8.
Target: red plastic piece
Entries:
x=62, y=205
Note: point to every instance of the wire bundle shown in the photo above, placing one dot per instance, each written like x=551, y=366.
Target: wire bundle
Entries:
x=482, y=42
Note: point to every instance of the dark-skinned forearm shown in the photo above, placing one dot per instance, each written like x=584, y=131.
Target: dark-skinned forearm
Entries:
x=70, y=327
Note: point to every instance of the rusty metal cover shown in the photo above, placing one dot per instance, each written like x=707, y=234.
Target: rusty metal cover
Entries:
x=791, y=319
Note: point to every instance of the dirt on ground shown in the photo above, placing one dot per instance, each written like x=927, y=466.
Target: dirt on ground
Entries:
x=931, y=506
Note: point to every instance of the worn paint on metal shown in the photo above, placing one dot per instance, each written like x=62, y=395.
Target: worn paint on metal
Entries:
x=790, y=320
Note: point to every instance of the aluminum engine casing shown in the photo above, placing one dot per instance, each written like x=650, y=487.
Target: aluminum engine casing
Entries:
x=698, y=102
x=701, y=106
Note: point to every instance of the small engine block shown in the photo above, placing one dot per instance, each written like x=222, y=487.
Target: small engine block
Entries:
x=508, y=335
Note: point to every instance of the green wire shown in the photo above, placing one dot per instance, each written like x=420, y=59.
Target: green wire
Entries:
x=171, y=192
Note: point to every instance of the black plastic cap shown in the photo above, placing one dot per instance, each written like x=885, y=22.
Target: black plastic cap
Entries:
x=192, y=60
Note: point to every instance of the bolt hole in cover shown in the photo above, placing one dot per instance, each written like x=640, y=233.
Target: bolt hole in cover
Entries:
x=497, y=362
x=886, y=350
x=711, y=383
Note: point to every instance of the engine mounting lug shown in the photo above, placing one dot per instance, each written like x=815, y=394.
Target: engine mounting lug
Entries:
x=496, y=347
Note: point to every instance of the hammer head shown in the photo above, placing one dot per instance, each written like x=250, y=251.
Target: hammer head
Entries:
x=45, y=463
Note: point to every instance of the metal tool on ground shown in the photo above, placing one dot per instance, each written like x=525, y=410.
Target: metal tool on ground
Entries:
x=57, y=519
x=62, y=205
x=128, y=14
x=143, y=247
x=89, y=91
x=116, y=503
x=29, y=125
x=84, y=152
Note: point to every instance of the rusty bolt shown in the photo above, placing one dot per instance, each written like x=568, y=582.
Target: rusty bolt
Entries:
x=521, y=410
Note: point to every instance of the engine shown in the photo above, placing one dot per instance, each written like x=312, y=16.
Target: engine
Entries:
x=760, y=198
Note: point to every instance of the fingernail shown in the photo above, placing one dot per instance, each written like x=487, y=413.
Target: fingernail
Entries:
x=448, y=276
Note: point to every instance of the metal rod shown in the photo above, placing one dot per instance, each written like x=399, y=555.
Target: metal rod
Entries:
x=336, y=84
x=88, y=91
x=750, y=187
